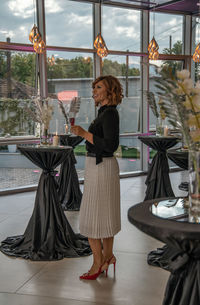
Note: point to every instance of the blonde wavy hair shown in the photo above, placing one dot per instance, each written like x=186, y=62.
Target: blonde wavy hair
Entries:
x=114, y=88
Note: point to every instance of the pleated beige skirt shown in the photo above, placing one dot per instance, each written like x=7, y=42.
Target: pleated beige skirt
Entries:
x=100, y=205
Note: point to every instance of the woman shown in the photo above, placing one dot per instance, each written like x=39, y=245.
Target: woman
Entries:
x=100, y=206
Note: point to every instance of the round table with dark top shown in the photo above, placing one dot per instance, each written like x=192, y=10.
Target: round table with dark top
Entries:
x=167, y=221
x=69, y=191
x=48, y=235
x=158, y=182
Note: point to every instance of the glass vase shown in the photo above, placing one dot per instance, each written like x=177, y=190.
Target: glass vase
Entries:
x=194, y=186
x=160, y=124
x=44, y=135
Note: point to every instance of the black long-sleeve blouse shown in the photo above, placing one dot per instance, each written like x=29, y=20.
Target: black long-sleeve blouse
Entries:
x=105, y=130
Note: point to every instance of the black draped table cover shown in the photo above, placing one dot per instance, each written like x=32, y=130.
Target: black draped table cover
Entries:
x=48, y=235
x=182, y=255
x=179, y=157
x=69, y=191
x=158, y=181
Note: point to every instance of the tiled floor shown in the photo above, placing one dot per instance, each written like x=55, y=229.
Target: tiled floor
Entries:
x=24, y=282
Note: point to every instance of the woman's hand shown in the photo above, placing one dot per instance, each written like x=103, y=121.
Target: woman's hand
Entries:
x=78, y=131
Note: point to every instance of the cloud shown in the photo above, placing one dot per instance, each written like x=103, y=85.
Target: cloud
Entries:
x=22, y=8
x=173, y=22
x=6, y=34
x=53, y=7
x=129, y=32
x=69, y=24
x=77, y=20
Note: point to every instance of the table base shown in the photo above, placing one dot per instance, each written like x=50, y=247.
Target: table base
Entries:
x=180, y=256
x=48, y=235
x=160, y=257
x=69, y=191
x=19, y=246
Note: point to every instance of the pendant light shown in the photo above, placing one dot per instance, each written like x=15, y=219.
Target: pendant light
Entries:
x=196, y=55
x=153, y=46
x=51, y=60
x=100, y=45
x=36, y=38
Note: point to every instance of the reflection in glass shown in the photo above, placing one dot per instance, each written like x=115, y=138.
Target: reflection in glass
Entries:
x=175, y=209
x=17, y=86
x=175, y=65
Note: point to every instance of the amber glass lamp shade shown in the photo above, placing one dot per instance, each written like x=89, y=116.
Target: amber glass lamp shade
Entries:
x=51, y=60
x=39, y=46
x=102, y=52
x=196, y=55
x=153, y=49
x=99, y=42
x=33, y=33
x=36, y=38
x=100, y=45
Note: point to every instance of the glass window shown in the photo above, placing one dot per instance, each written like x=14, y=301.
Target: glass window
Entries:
x=128, y=154
x=16, y=170
x=127, y=69
x=195, y=65
x=168, y=32
x=71, y=75
x=68, y=23
x=17, y=85
x=17, y=19
x=121, y=28
x=154, y=65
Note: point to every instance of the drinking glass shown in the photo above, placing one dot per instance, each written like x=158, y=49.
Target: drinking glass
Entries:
x=72, y=118
x=72, y=121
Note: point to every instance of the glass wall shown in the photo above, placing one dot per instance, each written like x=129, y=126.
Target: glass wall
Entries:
x=68, y=23
x=71, y=75
x=168, y=32
x=17, y=85
x=196, y=34
x=155, y=67
x=127, y=70
x=125, y=25
x=17, y=19
x=71, y=68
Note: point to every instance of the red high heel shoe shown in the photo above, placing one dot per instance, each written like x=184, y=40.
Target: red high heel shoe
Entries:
x=92, y=277
x=110, y=261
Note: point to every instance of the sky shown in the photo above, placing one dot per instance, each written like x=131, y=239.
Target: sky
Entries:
x=69, y=24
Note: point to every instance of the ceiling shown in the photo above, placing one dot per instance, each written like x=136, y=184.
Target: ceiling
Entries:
x=179, y=6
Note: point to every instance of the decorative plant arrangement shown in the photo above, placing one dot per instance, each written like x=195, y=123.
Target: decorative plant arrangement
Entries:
x=70, y=112
x=158, y=111
x=181, y=103
x=42, y=110
x=63, y=110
